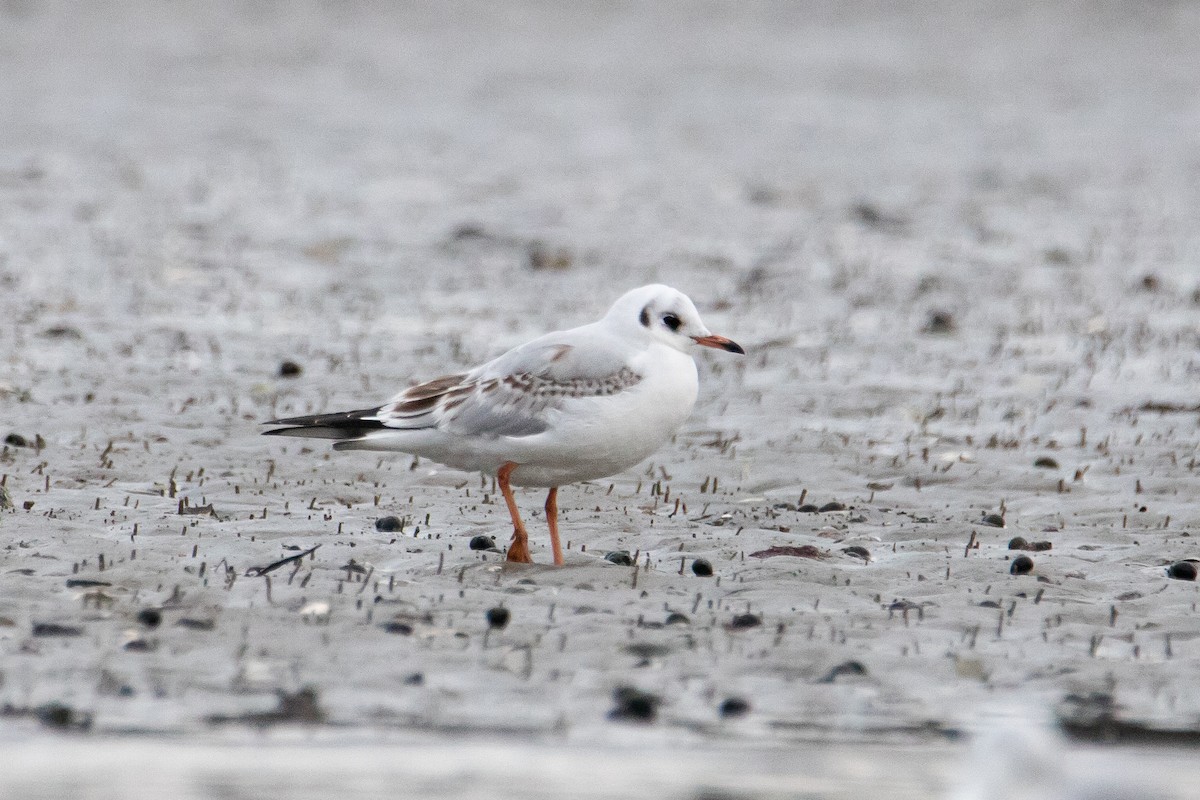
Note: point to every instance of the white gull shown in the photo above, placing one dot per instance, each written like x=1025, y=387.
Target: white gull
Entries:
x=569, y=406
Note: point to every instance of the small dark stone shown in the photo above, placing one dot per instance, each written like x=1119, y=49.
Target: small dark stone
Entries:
x=989, y=604
x=620, y=557
x=1021, y=565
x=62, y=332
x=397, y=627
x=995, y=520
x=734, y=707
x=675, y=618
x=647, y=650
x=939, y=323
x=1046, y=462
x=808, y=508
x=858, y=552
x=743, y=621
x=1182, y=571
x=303, y=706
x=388, y=524
x=290, y=369
x=482, y=542
x=193, y=624
x=845, y=669
x=57, y=715
x=873, y=216
x=150, y=617
x=469, y=230
x=16, y=440
x=80, y=583
x=498, y=617
x=1021, y=543
x=54, y=629
x=415, y=679
x=834, y=506
x=634, y=705
x=702, y=568
x=1150, y=282
x=139, y=646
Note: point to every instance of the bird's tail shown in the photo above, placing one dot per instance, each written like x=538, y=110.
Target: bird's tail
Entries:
x=342, y=426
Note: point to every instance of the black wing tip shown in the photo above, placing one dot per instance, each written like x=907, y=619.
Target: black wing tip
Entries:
x=360, y=417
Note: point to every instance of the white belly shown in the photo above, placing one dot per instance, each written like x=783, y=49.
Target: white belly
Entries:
x=588, y=438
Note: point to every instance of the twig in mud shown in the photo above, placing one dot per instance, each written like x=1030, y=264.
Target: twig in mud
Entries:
x=970, y=544
x=258, y=571
x=366, y=580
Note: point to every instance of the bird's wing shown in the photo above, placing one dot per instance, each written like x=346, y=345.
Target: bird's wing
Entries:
x=514, y=394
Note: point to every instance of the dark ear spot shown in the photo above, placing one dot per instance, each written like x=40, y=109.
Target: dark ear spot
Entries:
x=644, y=317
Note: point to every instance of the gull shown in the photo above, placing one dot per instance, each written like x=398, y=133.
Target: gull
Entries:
x=570, y=406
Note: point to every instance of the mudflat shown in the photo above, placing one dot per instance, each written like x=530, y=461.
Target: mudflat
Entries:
x=949, y=494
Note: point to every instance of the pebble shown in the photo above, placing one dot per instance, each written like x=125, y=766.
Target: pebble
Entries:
x=847, y=669
x=54, y=629
x=57, y=715
x=150, y=617
x=620, y=557
x=634, y=705
x=702, y=568
x=995, y=520
x=675, y=618
x=290, y=369
x=16, y=440
x=743, y=621
x=1182, y=571
x=498, y=617
x=858, y=552
x=1021, y=565
x=1021, y=543
x=1046, y=462
x=939, y=322
x=194, y=624
x=482, y=542
x=388, y=524
x=809, y=508
x=734, y=707
x=834, y=506
x=397, y=627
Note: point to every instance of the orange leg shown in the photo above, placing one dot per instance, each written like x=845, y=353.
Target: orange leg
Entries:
x=519, y=549
x=552, y=521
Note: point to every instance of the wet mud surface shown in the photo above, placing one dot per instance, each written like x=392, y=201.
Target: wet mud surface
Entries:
x=954, y=478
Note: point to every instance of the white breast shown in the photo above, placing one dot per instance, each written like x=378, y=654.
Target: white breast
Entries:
x=594, y=437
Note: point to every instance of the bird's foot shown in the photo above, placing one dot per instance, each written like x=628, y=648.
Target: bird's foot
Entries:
x=518, y=549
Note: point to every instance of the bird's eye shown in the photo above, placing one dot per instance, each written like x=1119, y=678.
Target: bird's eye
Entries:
x=671, y=321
